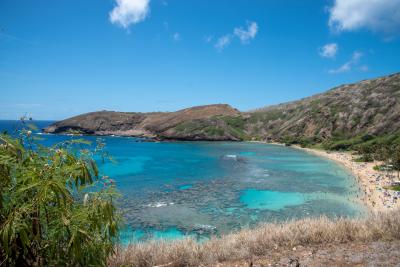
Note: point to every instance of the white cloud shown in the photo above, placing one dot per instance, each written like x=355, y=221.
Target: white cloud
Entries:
x=346, y=67
x=329, y=50
x=356, y=56
x=166, y=25
x=374, y=15
x=364, y=68
x=246, y=34
x=208, y=38
x=176, y=36
x=223, y=42
x=349, y=65
x=129, y=12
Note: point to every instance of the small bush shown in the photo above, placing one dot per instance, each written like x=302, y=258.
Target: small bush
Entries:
x=214, y=131
x=365, y=158
x=376, y=168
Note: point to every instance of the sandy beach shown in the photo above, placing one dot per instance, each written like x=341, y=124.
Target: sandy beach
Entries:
x=372, y=182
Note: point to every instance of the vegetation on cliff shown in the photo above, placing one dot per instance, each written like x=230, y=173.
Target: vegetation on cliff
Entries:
x=342, y=116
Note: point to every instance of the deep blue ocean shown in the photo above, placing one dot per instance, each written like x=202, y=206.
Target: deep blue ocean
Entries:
x=199, y=189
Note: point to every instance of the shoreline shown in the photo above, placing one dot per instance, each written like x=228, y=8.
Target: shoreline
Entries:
x=372, y=182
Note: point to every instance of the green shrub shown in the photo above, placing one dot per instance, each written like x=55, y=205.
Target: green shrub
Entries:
x=55, y=209
x=365, y=158
x=394, y=187
x=234, y=121
x=301, y=141
x=214, y=131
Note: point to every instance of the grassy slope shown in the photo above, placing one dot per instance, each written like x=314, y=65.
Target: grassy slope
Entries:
x=215, y=127
x=261, y=242
x=348, y=115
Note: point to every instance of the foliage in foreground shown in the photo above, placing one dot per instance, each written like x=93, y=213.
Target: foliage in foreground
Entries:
x=55, y=209
x=262, y=241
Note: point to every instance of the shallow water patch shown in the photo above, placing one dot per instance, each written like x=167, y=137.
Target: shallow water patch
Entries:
x=271, y=200
x=125, y=166
x=185, y=187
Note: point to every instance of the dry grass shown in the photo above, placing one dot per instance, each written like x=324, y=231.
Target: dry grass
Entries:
x=247, y=244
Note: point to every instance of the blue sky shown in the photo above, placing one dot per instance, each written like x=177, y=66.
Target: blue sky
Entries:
x=66, y=57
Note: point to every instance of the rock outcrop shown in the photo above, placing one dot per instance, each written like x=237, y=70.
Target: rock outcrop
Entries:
x=159, y=125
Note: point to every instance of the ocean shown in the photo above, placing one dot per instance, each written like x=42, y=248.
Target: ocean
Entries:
x=172, y=190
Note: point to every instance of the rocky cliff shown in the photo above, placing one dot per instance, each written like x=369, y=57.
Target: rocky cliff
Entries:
x=196, y=123
x=367, y=107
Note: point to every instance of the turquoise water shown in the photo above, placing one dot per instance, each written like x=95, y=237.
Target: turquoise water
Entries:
x=184, y=187
x=199, y=189
x=271, y=200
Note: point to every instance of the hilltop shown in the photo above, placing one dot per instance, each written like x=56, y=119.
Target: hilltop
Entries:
x=363, y=109
x=196, y=123
x=367, y=107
